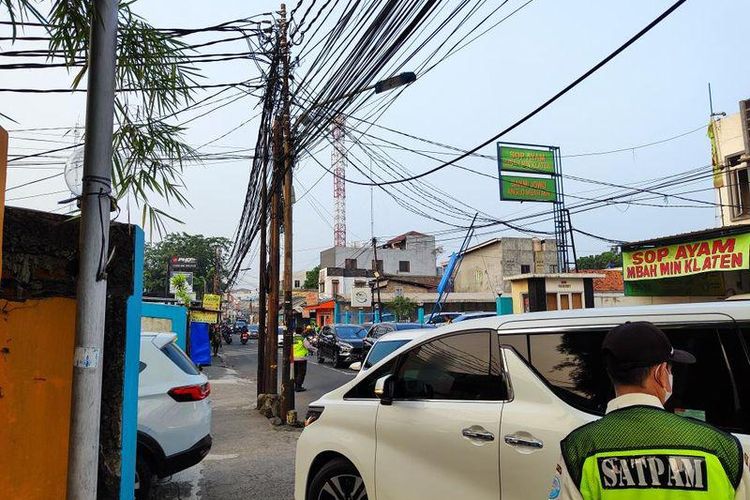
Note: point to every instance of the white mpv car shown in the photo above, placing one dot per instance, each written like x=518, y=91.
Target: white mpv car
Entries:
x=477, y=409
x=174, y=412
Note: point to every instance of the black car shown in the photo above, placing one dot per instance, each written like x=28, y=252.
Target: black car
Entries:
x=377, y=330
x=341, y=344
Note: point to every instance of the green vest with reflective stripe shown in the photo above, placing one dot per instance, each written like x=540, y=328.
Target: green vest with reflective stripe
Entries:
x=642, y=452
x=299, y=350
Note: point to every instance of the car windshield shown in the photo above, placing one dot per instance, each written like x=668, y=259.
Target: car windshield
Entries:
x=350, y=332
x=382, y=349
x=408, y=326
x=241, y=323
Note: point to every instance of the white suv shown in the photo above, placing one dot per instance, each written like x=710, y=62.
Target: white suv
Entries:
x=477, y=409
x=174, y=412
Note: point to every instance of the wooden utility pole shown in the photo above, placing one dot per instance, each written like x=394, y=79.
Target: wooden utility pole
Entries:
x=262, y=285
x=377, y=271
x=271, y=353
x=287, y=387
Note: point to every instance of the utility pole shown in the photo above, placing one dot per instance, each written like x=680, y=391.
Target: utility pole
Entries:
x=377, y=270
x=91, y=293
x=287, y=388
x=217, y=269
x=271, y=353
x=263, y=285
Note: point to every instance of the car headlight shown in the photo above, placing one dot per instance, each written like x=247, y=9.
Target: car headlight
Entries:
x=345, y=347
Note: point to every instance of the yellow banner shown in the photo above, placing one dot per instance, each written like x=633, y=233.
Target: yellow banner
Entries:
x=212, y=302
x=204, y=317
x=719, y=254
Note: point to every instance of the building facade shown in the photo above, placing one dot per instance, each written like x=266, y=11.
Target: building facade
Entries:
x=485, y=267
x=731, y=152
x=410, y=254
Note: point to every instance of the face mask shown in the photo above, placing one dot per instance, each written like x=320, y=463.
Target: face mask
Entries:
x=668, y=394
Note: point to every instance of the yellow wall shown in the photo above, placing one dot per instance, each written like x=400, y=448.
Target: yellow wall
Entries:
x=36, y=371
x=519, y=288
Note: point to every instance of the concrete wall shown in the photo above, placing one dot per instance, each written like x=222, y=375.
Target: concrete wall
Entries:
x=420, y=252
x=345, y=284
x=485, y=269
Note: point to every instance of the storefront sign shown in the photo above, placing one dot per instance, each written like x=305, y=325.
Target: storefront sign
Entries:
x=212, y=302
x=204, y=317
x=517, y=188
x=536, y=161
x=719, y=254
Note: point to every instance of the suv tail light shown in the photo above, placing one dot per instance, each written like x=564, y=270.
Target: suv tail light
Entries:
x=313, y=414
x=190, y=392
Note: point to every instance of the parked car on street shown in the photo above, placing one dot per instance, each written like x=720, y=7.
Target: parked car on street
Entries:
x=474, y=315
x=384, y=346
x=174, y=412
x=379, y=329
x=341, y=344
x=458, y=407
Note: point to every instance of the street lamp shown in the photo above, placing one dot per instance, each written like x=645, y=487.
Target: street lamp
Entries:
x=382, y=86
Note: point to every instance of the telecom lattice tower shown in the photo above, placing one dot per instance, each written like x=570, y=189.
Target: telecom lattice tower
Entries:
x=338, y=162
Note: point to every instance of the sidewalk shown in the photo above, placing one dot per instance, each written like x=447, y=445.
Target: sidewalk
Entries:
x=249, y=458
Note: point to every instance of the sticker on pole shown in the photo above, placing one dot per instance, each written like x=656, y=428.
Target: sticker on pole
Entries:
x=86, y=357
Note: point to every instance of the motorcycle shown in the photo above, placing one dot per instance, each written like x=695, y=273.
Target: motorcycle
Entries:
x=244, y=337
x=227, y=337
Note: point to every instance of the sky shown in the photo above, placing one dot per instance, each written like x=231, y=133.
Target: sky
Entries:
x=656, y=90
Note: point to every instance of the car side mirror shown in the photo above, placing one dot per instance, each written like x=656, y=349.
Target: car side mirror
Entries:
x=384, y=389
x=356, y=366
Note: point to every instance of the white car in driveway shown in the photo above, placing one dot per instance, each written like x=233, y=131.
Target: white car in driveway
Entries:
x=459, y=408
x=174, y=411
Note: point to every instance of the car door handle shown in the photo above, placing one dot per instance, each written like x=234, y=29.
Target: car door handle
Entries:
x=528, y=441
x=478, y=433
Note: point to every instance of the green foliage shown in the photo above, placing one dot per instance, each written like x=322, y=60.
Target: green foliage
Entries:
x=402, y=307
x=157, y=257
x=604, y=260
x=312, y=278
x=180, y=286
x=149, y=153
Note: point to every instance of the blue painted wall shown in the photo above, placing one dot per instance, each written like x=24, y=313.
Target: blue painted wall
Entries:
x=132, y=362
x=178, y=315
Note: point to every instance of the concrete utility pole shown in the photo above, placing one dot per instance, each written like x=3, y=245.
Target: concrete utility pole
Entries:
x=287, y=387
x=271, y=353
x=83, y=458
x=377, y=270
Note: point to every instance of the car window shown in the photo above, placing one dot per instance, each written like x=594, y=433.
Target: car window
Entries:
x=350, y=332
x=141, y=366
x=179, y=358
x=381, y=349
x=714, y=389
x=516, y=342
x=366, y=388
x=408, y=326
x=464, y=366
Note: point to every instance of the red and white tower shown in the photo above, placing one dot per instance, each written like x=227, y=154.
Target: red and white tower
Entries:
x=338, y=162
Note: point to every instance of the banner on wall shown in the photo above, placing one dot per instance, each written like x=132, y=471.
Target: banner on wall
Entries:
x=685, y=259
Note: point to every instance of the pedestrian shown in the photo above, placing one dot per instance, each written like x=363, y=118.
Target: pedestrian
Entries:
x=300, y=349
x=638, y=450
x=215, y=338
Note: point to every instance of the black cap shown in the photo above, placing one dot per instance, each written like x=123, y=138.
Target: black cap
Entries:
x=641, y=343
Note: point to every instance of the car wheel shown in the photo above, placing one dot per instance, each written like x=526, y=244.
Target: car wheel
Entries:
x=337, y=480
x=143, y=478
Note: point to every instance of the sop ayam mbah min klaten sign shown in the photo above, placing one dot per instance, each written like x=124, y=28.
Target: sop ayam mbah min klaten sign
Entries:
x=719, y=254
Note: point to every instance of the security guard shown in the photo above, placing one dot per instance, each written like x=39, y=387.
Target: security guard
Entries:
x=639, y=451
x=300, y=352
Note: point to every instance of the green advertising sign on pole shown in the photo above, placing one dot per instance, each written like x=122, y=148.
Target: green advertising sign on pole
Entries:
x=533, y=161
x=521, y=188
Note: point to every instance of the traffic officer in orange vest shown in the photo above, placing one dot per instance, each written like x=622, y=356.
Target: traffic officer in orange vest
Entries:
x=638, y=450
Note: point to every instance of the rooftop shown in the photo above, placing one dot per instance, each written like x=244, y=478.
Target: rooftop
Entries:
x=716, y=232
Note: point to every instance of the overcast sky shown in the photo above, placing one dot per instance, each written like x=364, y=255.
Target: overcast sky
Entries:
x=656, y=90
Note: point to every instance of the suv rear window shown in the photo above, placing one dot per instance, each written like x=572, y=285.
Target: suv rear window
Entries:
x=179, y=358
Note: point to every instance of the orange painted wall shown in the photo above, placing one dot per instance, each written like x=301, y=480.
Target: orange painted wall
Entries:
x=36, y=371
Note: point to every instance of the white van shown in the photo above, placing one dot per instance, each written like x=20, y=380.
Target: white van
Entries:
x=482, y=405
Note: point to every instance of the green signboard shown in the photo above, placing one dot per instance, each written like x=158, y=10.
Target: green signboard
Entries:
x=535, y=161
x=518, y=188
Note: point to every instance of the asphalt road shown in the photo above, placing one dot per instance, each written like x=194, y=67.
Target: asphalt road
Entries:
x=320, y=379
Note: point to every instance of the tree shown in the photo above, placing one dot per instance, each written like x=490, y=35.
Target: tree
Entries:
x=179, y=283
x=402, y=307
x=200, y=247
x=311, y=278
x=612, y=258
x=148, y=151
